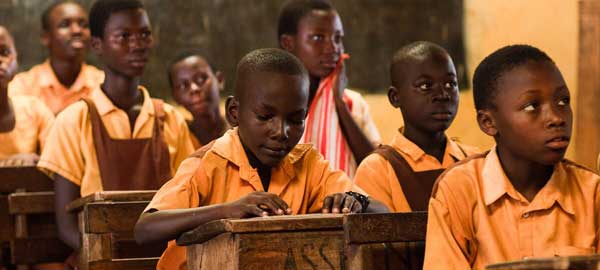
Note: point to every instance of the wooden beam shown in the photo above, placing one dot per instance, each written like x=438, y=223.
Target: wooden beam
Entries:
x=114, y=196
x=587, y=129
x=374, y=228
x=31, y=202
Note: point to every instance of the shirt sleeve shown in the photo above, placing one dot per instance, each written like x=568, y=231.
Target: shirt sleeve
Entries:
x=62, y=152
x=325, y=181
x=181, y=134
x=45, y=119
x=446, y=245
x=182, y=190
x=372, y=177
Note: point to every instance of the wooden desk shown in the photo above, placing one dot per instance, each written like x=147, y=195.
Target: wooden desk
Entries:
x=20, y=179
x=317, y=241
x=591, y=262
x=106, y=221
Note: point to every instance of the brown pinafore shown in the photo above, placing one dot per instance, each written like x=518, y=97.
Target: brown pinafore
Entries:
x=131, y=164
x=417, y=187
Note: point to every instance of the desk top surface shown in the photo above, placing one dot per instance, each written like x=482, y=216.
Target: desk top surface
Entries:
x=556, y=263
x=26, y=178
x=114, y=196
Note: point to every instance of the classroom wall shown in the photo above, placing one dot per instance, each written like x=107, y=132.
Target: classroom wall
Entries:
x=228, y=29
x=551, y=25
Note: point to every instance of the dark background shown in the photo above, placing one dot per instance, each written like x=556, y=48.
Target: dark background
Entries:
x=225, y=30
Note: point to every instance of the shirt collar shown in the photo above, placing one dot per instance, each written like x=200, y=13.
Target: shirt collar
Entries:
x=230, y=148
x=48, y=78
x=496, y=184
x=105, y=105
x=406, y=146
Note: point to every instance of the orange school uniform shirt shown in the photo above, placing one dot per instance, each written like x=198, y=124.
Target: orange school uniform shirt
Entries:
x=476, y=216
x=376, y=175
x=302, y=180
x=70, y=150
x=32, y=123
x=40, y=81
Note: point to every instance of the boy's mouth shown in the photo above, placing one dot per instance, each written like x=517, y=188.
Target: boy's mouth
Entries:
x=558, y=143
x=442, y=116
x=276, y=151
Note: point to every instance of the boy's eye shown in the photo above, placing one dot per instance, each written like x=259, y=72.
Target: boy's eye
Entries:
x=529, y=108
x=146, y=34
x=263, y=117
x=83, y=24
x=338, y=38
x=316, y=37
x=424, y=86
x=564, y=101
x=297, y=121
x=450, y=85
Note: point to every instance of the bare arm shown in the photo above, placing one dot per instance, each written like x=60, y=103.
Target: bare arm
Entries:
x=165, y=225
x=359, y=143
x=68, y=231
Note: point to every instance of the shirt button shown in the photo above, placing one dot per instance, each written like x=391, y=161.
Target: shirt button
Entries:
x=526, y=215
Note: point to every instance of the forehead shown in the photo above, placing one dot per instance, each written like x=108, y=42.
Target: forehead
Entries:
x=274, y=89
x=429, y=64
x=191, y=63
x=67, y=10
x=126, y=19
x=6, y=38
x=321, y=20
x=530, y=76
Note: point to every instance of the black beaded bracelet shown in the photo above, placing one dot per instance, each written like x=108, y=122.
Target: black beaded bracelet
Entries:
x=362, y=199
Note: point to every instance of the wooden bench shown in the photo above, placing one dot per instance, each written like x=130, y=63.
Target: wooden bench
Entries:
x=106, y=221
x=316, y=241
x=15, y=235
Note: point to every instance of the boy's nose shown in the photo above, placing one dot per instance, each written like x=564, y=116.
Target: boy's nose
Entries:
x=555, y=118
x=281, y=130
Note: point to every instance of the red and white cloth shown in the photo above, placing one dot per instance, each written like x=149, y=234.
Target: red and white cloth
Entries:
x=323, y=128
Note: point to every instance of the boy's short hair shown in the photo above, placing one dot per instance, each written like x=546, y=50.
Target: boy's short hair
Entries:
x=270, y=60
x=183, y=55
x=46, y=14
x=411, y=51
x=102, y=9
x=487, y=73
x=294, y=10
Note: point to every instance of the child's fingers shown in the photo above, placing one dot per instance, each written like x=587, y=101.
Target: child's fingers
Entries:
x=337, y=202
x=356, y=207
x=349, y=201
x=327, y=204
x=281, y=203
x=268, y=204
x=256, y=211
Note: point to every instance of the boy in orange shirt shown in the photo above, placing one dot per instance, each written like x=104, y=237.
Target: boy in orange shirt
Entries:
x=24, y=121
x=338, y=123
x=196, y=86
x=64, y=77
x=255, y=169
x=425, y=89
x=118, y=138
x=522, y=199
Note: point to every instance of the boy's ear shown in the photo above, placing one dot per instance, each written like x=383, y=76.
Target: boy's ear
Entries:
x=220, y=80
x=232, y=108
x=286, y=42
x=394, y=96
x=45, y=37
x=96, y=45
x=486, y=122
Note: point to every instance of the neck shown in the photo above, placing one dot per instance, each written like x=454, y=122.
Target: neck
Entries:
x=434, y=144
x=121, y=90
x=66, y=70
x=526, y=176
x=313, y=87
x=208, y=126
x=4, y=100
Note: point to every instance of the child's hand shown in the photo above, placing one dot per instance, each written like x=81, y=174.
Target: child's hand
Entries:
x=20, y=160
x=258, y=203
x=340, y=81
x=341, y=203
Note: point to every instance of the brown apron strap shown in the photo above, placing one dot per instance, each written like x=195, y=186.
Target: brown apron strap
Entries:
x=416, y=186
x=130, y=164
